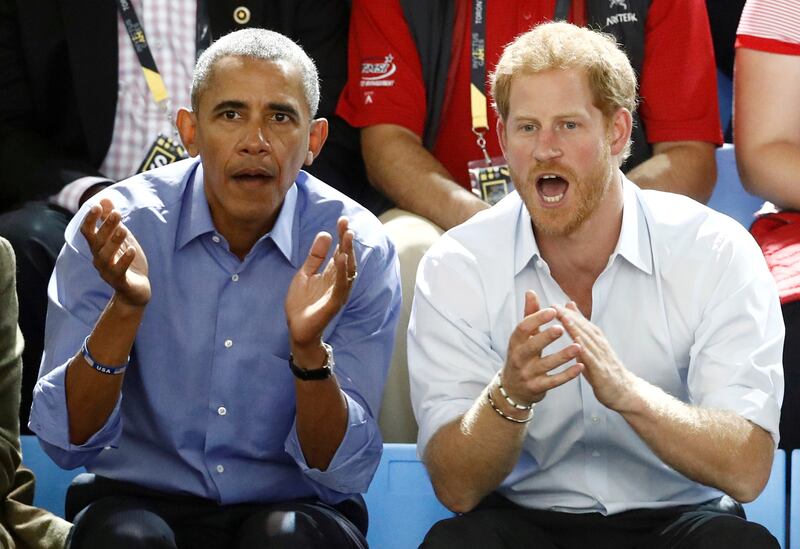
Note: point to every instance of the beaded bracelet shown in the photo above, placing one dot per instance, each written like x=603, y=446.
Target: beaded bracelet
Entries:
x=102, y=368
x=503, y=414
x=510, y=401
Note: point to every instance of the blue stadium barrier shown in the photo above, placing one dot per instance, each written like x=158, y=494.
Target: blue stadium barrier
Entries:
x=769, y=509
x=51, y=480
x=794, y=502
x=729, y=196
x=402, y=505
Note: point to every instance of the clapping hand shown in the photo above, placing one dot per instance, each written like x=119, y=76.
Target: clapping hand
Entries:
x=526, y=375
x=609, y=378
x=117, y=256
x=314, y=298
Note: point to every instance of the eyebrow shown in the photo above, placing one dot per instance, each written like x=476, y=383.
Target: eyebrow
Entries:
x=285, y=108
x=233, y=104
x=228, y=105
x=561, y=116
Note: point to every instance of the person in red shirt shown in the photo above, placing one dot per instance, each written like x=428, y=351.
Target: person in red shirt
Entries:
x=427, y=178
x=766, y=118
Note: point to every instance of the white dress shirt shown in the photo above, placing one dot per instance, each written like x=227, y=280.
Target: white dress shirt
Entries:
x=686, y=301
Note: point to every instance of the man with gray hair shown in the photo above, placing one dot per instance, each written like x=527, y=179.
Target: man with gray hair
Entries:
x=194, y=377
x=614, y=378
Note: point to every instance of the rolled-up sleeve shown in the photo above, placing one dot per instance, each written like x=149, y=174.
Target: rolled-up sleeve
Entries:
x=736, y=359
x=76, y=297
x=451, y=358
x=362, y=339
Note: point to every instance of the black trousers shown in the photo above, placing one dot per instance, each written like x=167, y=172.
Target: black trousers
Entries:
x=498, y=523
x=36, y=232
x=790, y=412
x=119, y=515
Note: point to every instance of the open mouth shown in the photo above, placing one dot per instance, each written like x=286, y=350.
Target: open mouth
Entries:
x=552, y=188
x=253, y=175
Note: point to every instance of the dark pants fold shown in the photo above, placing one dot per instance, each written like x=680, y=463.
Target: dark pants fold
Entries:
x=497, y=523
x=109, y=513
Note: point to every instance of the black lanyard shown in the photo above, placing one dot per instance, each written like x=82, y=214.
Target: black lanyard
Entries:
x=202, y=30
x=477, y=86
x=477, y=94
x=139, y=40
x=562, y=10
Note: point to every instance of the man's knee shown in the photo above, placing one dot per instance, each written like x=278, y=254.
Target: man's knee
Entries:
x=298, y=527
x=113, y=522
x=464, y=531
x=737, y=533
x=721, y=531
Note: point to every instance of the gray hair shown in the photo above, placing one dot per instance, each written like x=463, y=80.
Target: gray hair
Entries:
x=258, y=44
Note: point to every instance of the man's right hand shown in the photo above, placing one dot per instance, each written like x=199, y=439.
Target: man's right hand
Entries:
x=117, y=256
x=526, y=376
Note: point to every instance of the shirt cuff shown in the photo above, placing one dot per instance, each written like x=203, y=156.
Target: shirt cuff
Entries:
x=354, y=463
x=754, y=405
x=70, y=196
x=50, y=421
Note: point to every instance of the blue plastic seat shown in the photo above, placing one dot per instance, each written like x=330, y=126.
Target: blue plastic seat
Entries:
x=51, y=481
x=769, y=509
x=794, y=502
x=729, y=196
x=402, y=505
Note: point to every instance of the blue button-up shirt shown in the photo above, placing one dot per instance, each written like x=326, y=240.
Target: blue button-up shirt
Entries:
x=208, y=402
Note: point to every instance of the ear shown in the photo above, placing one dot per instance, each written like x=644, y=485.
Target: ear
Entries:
x=501, y=134
x=621, y=128
x=186, y=121
x=316, y=139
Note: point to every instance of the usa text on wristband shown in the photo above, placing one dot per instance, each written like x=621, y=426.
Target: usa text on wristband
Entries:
x=102, y=368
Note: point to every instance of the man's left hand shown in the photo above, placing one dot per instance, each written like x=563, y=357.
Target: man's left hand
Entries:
x=314, y=298
x=612, y=383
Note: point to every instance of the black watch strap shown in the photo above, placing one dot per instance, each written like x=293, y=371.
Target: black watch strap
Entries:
x=315, y=374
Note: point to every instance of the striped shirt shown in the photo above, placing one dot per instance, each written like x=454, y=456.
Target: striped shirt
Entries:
x=771, y=26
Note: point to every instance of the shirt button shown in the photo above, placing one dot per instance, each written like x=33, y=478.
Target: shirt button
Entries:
x=235, y=278
x=215, y=238
x=595, y=419
x=220, y=469
x=228, y=343
x=222, y=411
x=595, y=453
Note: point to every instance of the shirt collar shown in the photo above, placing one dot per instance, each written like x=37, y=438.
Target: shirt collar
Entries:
x=634, y=238
x=196, y=218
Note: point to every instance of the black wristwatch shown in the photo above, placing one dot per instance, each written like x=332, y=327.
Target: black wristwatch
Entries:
x=315, y=374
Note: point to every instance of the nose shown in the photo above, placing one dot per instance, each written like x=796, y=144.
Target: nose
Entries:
x=255, y=140
x=547, y=146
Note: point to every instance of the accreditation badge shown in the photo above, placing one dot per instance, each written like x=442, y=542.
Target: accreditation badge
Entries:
x=164, y=150
x=490, y=179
